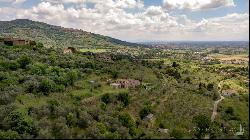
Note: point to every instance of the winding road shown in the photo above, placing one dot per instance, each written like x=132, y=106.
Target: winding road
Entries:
x=214, y=112
x=215, y=108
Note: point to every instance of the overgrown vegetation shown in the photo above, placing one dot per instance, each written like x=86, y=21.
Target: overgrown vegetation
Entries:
x=45, y=93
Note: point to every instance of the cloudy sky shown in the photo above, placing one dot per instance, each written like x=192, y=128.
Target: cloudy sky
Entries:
x=140, y=20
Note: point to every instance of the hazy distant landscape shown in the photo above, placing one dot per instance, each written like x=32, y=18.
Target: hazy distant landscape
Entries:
x=71, y=83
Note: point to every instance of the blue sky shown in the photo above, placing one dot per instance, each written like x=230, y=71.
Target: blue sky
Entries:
x=242, y=6
x=140, y=20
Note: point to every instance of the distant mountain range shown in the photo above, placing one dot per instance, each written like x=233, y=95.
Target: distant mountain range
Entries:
x=56, y=36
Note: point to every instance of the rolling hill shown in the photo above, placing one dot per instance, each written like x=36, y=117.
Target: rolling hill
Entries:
x=56, y=36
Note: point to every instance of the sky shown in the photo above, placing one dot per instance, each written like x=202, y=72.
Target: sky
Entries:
x=140, y=20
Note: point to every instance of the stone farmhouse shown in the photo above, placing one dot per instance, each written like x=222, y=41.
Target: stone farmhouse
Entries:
x=69, y=50
x=17, y=41
x=125, y=83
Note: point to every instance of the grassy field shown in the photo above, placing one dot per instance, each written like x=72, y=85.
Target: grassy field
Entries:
x=234, y=84
x=229, y=57
x=94, y=50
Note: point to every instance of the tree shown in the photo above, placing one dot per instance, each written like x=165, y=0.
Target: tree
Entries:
x=52, y=104
x=175, y=64
x=32, y=84
x=93, y=133
x=103, y=106
x=124, y=98
x=210, y=86
x=126, y=120
x=145, y=111
x=60, y=130
x=202, y=85
x=24, y=61
x=114, y=74
x=84, y=120
x=177, y=134
x=32, y=43
x=215, y=130
x=173, y=72
x=9, y=134
x=215, y=51
x=20, y=123
x=39, y=45
x=71, y=119
x=187, y=80
x=10, y=64
x=72, y=76
x=215, y=95
x=37, y=68
x=47, y=86
x=230, y=110
x=203, y=124
x=106, y=98
x=176, y=74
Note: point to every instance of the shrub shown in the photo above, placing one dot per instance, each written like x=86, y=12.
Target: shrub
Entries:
x=6, y=98
x=39, y=45
x=102, y=128
x=9, y=134
x=72, y=76
x=93, y=133
x=38, y=68
x=60, y=130
x=126, y=120
x=173, y=72
x=114, y=74
x=230, y=110
x=12, y=65
x=71, y=119
x=202, y=85
x=175, y=64
x=145, y=111
x=103, y=106
x=210, y=86
x=32, y=84
x=203, y=123
x=24, y=61
x=124, y=98
x=177, y=134
x=84, y=120
x=18, y=122
x=52, y=104
x=187, y=80
x=47, y=86
x=106, y=98
x=32, y=43
x=3, y=75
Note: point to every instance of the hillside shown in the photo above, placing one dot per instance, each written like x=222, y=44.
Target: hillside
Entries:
x=56, y=36
x=45, y=93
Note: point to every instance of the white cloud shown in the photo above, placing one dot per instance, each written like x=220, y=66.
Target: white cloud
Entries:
x=151, y=23
x=19, y=1
x=13, y=1
x=64, y=1
x=196, y=4
x=154, y=10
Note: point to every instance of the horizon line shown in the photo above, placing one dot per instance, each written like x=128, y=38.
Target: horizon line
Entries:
x=129, y=41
